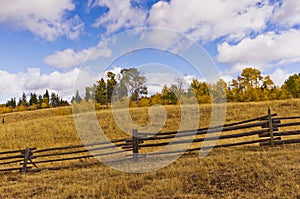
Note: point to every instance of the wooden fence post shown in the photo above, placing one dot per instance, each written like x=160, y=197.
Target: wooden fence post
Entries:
x=271, y=126
x=135, y=144
x=26, y=157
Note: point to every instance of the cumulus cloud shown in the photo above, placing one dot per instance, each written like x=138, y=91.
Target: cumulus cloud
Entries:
x=227, y=78
x=156, y=81
x=208, y=20
x=158, y=75
x=268, y=48
x=279, y=76
x=68, y=58
x=8, y=86
x=46, y=19
x=288, y=14
x=13, y=85
x=272, y=51
x=241, y=26
x=121, y=14
x=200, y=19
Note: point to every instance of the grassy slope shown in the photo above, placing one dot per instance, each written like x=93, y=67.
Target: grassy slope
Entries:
x=239, y=172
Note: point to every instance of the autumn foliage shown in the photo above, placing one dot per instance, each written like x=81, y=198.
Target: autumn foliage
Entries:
x=249, y=86
x=129, y=88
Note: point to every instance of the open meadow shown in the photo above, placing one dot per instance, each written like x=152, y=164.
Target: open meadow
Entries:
x=250, y=171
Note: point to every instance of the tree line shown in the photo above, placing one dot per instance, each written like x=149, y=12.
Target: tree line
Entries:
x=34, y=102
x=129, y=87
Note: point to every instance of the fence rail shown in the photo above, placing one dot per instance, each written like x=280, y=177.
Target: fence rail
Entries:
x=266, y=128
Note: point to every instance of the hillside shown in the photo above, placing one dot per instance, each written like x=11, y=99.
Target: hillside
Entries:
x=237, y=172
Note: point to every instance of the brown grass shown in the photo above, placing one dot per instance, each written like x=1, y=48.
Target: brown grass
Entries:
x=238, y=172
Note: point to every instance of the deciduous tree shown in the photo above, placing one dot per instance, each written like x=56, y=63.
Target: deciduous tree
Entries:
x=134, y=82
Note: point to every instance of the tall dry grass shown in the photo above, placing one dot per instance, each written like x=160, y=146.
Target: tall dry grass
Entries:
x=238, y=172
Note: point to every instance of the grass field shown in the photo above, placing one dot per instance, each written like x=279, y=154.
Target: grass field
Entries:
x=237, y=172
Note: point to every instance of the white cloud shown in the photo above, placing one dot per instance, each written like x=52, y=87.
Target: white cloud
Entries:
x=68, y=58
x=227, y=78
x=13, y=85
x=279, y=76
x=43, y=18
x=157, y=79
x=121, y=14
x=288, y=14
x=208, y=20
x=8, y=86
x=266, y=49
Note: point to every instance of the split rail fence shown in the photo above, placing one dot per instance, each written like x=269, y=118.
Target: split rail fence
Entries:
x=265, y=129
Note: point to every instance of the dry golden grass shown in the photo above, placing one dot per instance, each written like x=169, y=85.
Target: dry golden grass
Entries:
x=240, y=173
x=237, y=172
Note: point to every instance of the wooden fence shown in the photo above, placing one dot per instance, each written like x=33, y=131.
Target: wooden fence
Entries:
x=265, y=129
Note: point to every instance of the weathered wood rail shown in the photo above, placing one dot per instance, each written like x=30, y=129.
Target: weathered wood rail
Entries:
x=267, y=135
x=266, y=128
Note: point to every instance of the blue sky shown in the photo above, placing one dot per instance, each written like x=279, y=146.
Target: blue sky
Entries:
x=44, y=43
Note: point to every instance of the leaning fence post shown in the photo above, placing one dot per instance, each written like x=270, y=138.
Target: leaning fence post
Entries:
x=271, y=126
x=26, y=157
x=135, y=143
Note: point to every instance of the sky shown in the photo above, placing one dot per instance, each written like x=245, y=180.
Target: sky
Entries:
x=48, y=44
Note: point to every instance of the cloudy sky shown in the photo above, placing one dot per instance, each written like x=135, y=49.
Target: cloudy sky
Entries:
x=44, y=43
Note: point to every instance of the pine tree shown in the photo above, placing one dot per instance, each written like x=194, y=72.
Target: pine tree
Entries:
x=24, y=99
x=76, y=98
x=100, y=92
x=46, y=98
x=40, y=101
x=33, y=99
x=55, y=101
x=111, y=85
x=11, y=103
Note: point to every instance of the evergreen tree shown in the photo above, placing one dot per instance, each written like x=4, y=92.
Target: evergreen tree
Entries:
x=55, y=100
x=33, y=99
x=76, y=98
x=11, y=103
x=111, y=85
x=46, y=98
x=100, y=92
x=40, y=101
x=24, y=99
